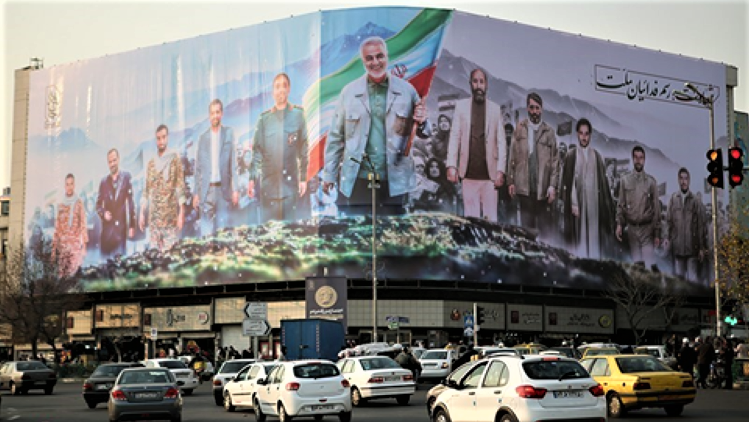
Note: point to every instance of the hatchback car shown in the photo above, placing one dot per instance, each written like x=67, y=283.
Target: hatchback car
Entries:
x=511, y=389
x=145, y=393
x=226, y=373
x=240, y=391
x=454, y=377
x=377, y=377
x=180, y=371
x=638, y=381
x=600, y=351
x=303, y=388
x=96, y=388
x=436, y=364
x=22, y=376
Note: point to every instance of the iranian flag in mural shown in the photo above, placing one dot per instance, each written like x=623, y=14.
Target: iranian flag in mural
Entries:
x=413, y=54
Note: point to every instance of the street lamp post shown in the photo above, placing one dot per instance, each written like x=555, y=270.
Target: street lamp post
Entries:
x=709, y=103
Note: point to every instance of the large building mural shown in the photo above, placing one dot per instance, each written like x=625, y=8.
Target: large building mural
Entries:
x=504, y=153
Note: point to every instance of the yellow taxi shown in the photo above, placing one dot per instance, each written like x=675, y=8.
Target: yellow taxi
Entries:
x=530, y=349
x=600, y=351
x=638, y=381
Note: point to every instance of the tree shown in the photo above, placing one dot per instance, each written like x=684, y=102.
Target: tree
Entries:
x=733, y=257
x=641, y=293
x=33, y=298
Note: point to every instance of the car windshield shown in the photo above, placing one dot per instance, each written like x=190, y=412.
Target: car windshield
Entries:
x=172, y=364
x=646, y=351
x=601, y=352
x=108, y=371
x=435, y=354
x=640, y=364
x=316, y=370
x=30, y=366
x=381, y=363
x=232, y=367
x=554, y=369
x=145, y=377
x=418, y=353
x=458, y=373
x=269, y=367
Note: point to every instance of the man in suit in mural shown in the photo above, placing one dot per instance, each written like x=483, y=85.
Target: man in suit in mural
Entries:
x=372, y=122
x=216, y=188
x=115, y=207
x=279, y=158
x=477, y=151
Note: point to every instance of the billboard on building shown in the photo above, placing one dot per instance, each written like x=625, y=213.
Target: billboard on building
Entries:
x=247, y=156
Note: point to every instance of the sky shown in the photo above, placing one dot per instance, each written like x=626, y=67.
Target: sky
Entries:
x=63, y=31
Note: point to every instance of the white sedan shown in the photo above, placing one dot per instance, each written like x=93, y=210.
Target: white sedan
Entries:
x=377, y=377
x=240, y=391
x=437, y=363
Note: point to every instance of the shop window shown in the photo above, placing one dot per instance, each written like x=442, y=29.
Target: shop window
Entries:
x=515, y=317
x=147, y=319
x=70, y=323
x=100, y=315
x=552, y=318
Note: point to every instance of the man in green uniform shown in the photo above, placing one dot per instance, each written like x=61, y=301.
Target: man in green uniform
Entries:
x=279, y=158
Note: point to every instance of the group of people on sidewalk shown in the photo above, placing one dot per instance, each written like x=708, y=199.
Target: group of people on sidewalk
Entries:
x=704, y=353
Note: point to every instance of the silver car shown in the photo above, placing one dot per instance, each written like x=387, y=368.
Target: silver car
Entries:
x=145, y=393
x=22, y=376
x=226, y=373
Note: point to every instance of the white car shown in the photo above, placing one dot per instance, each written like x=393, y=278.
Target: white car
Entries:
x=437, y=363
x=180, y=371
x=226, y=373
x=512, y=389
x=303, y=388
x=377, y=377
x=240, y=391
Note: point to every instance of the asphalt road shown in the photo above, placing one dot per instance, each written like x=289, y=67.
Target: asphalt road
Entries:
x=66, y=405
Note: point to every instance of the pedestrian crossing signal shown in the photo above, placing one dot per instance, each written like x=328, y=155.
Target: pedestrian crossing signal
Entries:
x=715, y=168
x=735, y=166
x=731, y=320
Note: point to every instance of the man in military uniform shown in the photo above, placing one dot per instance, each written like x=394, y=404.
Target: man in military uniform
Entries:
x=71, y=234
x=163, y=195
x=639, y=209
x=279, y=158
x=687, y=237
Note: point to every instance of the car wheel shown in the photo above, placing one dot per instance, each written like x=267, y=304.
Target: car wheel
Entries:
x=356, y=398
x=187, y=392
x=282, y=415
x=48, y=391
x=218, y=399
x=14, y=389
x=674, y=410
x=403, y=400
x=259, y=415
x=344, y=417
x=441, y=416
x=507, y=418
x=615, y=406
x=91, y=404
x=228, y=405
x=177, y=418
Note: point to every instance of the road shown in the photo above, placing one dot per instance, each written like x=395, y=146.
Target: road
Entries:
x=66, y=405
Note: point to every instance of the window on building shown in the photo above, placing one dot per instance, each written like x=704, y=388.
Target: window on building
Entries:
x=5, y=208
x=147, y=319
x=70, y=322
x=100, y=315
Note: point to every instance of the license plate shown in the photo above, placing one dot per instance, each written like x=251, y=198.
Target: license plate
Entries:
x=102, y=387
x=40, y=382
x=394, y=378
x=568, y=394
x=668, y=398
x=323, y=407
x=146, y=395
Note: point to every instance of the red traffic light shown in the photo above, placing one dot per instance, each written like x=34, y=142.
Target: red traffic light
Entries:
x=735, y=166
x=736, y=153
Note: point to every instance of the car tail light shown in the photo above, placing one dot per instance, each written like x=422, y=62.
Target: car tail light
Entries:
x=118, y=395
x=530, y=392
x=345, y=384
x=597, y=390
x=88, y=386
x=26, y=377
x=217, y=383
x=641, y=386
x=292, y=386
x=688, y=383
x=171, y=393
x=445, y=365
x=376, y=380
x=408, y=378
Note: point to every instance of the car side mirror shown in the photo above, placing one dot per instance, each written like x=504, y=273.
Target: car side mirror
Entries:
x=180, y=383
x=453, y=384
x=261, y=381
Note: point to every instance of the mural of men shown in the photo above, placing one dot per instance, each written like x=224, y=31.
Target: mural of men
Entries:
x=279, y=158
x=441, y=137
x=532, y=171
x=71, y=234
x=687, y=235
x=372, y=122
x=163, y=195
x=216, y=190
x=589, y=209
x=639, y=209
x=476, y=153
x=115, y=207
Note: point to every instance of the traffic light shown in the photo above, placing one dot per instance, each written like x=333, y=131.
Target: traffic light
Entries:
x=735, y=166
x=715, y=167
x=480, y=315
x=731, y=320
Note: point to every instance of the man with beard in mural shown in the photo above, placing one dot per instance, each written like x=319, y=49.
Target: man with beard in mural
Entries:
x=476, y=154
x=687, y=235
x=115, y=207
x=639, y=209
x=588, y=206
x=532, y=170
x=71, y=235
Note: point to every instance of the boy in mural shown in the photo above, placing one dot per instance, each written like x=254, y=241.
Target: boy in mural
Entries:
x=532, y=171
x=71, y=234
x=476, y=155
x=115, y=207
x=372, y=122
x=163, y=195
x=639, y=209
x=687, y=235
x=216, y=187
x=279, y=158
